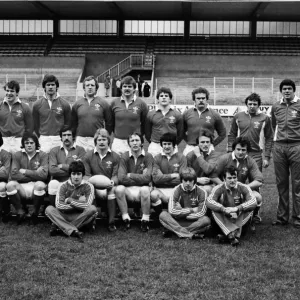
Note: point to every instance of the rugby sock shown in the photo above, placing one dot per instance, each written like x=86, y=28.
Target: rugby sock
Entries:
x=145, y=217
x=126, y=217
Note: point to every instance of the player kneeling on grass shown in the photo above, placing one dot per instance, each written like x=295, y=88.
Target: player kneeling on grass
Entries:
x=232, y=204
x=166, y=169
x=135, y=176
x=103, y=161
x=29, y=173
x=73, y=203
x=187, y=209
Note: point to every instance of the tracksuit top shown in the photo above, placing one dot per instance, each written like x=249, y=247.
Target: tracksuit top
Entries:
x=108, y=166
x=209, y=119
x=182, y=200
x=286, y=121
x=158, y=124
x=68, y=190
x=136, y=169
x=20, y=160
x=5, y=161
x=127, y=121
x=87, y=118
x=257, y=128
x=17, y=121
x=164, y=167
x=49, y=121
x=205, y=165
x=58, y=156
x=240, y=196
x=246, y=169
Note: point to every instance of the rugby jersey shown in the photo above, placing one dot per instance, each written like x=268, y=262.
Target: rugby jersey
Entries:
x=58, y=156
x=209, y=119
x=20, y=160
x=69, y=190
x=136, y=169
x=87, y=118
x=257, y=128
x=240, y=196
x=182, y=200
x=5, y=163
x=107, y=166
x=16, y=121
x=158, y=124
x=49, y=121
x=128, y=120
x=164, y=167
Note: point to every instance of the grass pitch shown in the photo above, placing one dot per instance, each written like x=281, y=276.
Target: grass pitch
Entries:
x=133, y=265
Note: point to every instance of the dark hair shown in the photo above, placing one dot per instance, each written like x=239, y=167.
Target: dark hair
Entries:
x=199, y=91
x=27, y=135
x=139, y=135
x=168, y=137
x=103, y=132
x=253, y=97
x=76, y=166
x=243, y=141
x=13, y=84
x=231, y=169
x=128, y=80
x=188, y=174
x=207, y=133
x=1, y=139
x=50, y=78
x=164, y=90
x=67, y=128
x=88, y=79
x=287, y=82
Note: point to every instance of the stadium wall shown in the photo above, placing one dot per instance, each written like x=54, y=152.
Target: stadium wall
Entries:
x=227, y=66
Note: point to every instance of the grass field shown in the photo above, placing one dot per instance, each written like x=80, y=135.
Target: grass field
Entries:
x=133, y=265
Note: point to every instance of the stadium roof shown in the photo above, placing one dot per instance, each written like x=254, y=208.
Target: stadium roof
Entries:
x=152, y=10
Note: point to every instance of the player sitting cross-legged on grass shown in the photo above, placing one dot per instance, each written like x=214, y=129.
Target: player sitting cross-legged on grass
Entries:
x=73, y=203
x=232, y=204
x=186, y=216
x=134, y=177
x=166, y=169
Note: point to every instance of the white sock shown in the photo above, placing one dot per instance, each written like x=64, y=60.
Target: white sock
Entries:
x=145, y=217
x=126, y=217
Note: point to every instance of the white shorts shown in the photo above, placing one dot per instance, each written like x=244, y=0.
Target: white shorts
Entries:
x=48, y=142
x=86, y=142
x=53, y=187
x=187, y=149
x=120, y=146
x=11, y=144
x=133, y=193
x=154, y=149
x=28, y=188
x=168, y=192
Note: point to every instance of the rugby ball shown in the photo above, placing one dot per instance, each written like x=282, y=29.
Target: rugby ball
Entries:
x=100, y=182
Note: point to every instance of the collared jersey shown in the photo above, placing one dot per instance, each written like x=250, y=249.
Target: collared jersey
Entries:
x=138, y=176
x=241, y=196
x=209, y=119
x=286, y=121
x=58, y=156
x=257, y=128
x=87, y=118
x=164, y=167
x=20, y=160
x=5, y=163
x=158, y=124
x=107, y=166
x=128, y=120
x=49, y=121
x=246, y=168
x=181, y=201
x=16, y=121
x=205, y=165
x=68, y=190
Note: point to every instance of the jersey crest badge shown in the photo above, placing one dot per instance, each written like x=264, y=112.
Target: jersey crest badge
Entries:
x=244, y=170
x=135, y=109
x=176, y=168
x=172, y=119
x=294, y=113
x=97, y=106
x=108, y=164
x=256, y=125
x=194, y=201
x=19, y=113
x=142, y=166
x=59, y=110
x=36, y=164
x=237, y=200
x=208, y=118
x=75, y=157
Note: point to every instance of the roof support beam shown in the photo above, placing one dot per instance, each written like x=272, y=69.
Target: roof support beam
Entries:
x=43, y=8
x=259, y=9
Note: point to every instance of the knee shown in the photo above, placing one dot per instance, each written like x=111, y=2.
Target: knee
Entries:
x=2, y=187
x=206, y=220
x=12, y=186
x=120, y=190
x=39, y=186
x=145, y=192
x=53, y=187
x=163, y=215
x=258, y=198
x=49, y=210
x=91, y=210
x=154, y=195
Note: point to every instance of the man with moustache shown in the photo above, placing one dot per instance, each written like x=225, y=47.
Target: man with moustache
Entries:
x=50, y=113
x=285, y=115
x=89, y=114
x=201, y=117
x=129, y=115
x=15, y=118
x=60, y=158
